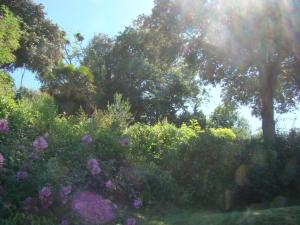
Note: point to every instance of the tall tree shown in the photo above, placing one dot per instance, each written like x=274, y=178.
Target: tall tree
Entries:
x=72, y=87
x=41, y=40
x=97, y=57
x=142, y=67
x=249, y=48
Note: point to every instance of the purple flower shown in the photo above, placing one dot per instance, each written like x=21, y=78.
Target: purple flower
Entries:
x=40, y=143
x=45, y=197
x=109, y=184
x=4, y=126
x=92, y=207
x=66, y=190
x=28, y=204
x=45, y=193
x=92, y=163
x=93, y=166
x=131, y=221
x=137, y=203
x=34, y=156
x=2, y=159
x=95, y=171
x=21, y=175
x=124, y=141
x=64, y=193
x=64, y=221
x=87, y=139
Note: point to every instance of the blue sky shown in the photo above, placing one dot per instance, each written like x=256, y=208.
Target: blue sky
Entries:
x=110, y=17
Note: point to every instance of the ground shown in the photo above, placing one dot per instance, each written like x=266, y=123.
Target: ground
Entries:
x=173, y=216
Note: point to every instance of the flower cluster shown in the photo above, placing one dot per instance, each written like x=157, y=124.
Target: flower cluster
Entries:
x=45, y=197
x=93, y=167
x=137, y=203
x=21, y=175
x=28, y=204
x=92, y=207
x=87, y=139
x=131, y=221
x=64, y=193
x=40, y=143
x=4, y=126
x=110, y=185
x=64, y=221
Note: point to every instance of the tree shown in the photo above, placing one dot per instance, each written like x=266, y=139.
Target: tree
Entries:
x=228, y=117
x=9, y=42
x=248, y=47
x=97, y=57
x=72, y=87
x=9, y=36
x=41, y=40
x=136, y=65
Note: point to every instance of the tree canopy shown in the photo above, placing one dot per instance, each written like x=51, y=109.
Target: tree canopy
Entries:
x=9, y=36
x=41, y=40
x=248, y=47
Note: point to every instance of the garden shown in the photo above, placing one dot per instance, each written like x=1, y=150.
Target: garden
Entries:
x=111, y=138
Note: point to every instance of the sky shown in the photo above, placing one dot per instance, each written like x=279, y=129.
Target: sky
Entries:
x=90, y=17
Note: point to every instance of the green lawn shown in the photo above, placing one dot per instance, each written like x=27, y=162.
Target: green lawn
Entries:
x=274, y=216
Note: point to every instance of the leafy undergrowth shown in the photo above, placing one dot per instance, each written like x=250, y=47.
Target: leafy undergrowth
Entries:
x=274, y=216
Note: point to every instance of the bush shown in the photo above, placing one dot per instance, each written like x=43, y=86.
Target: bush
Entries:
x=156, y=143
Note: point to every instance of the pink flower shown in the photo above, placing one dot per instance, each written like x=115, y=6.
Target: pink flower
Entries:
x=137, y=203
x=66, y=190
x=64, y=222
x=87, y=139
x=64, y=193
x=21, y=175
x=92, y=208
x=2, y=159
x=45, y=193
x=45, y=197
x=131, y=221
x=28, y=204
x=93, y=166
x=40, y=143
x=4, y=126
x=95, y=171
x=109, y=184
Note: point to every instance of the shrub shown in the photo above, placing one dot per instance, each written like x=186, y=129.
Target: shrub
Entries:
x=225, y=133
x=157, y=142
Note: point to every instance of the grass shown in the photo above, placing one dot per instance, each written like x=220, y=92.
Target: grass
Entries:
x=273, y=216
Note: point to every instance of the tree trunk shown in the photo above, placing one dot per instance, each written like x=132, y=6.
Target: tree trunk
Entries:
x=267, y=101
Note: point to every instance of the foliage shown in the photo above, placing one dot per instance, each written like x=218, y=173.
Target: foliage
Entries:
x=221, y=41
x=6, y=86
x=9, y=36
x=120, y=110
x=157, y=142
x=228, y=117
x=41, y=40
x=155, y=88
x=223, y=133
x=72, y=87
x=20, y=218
